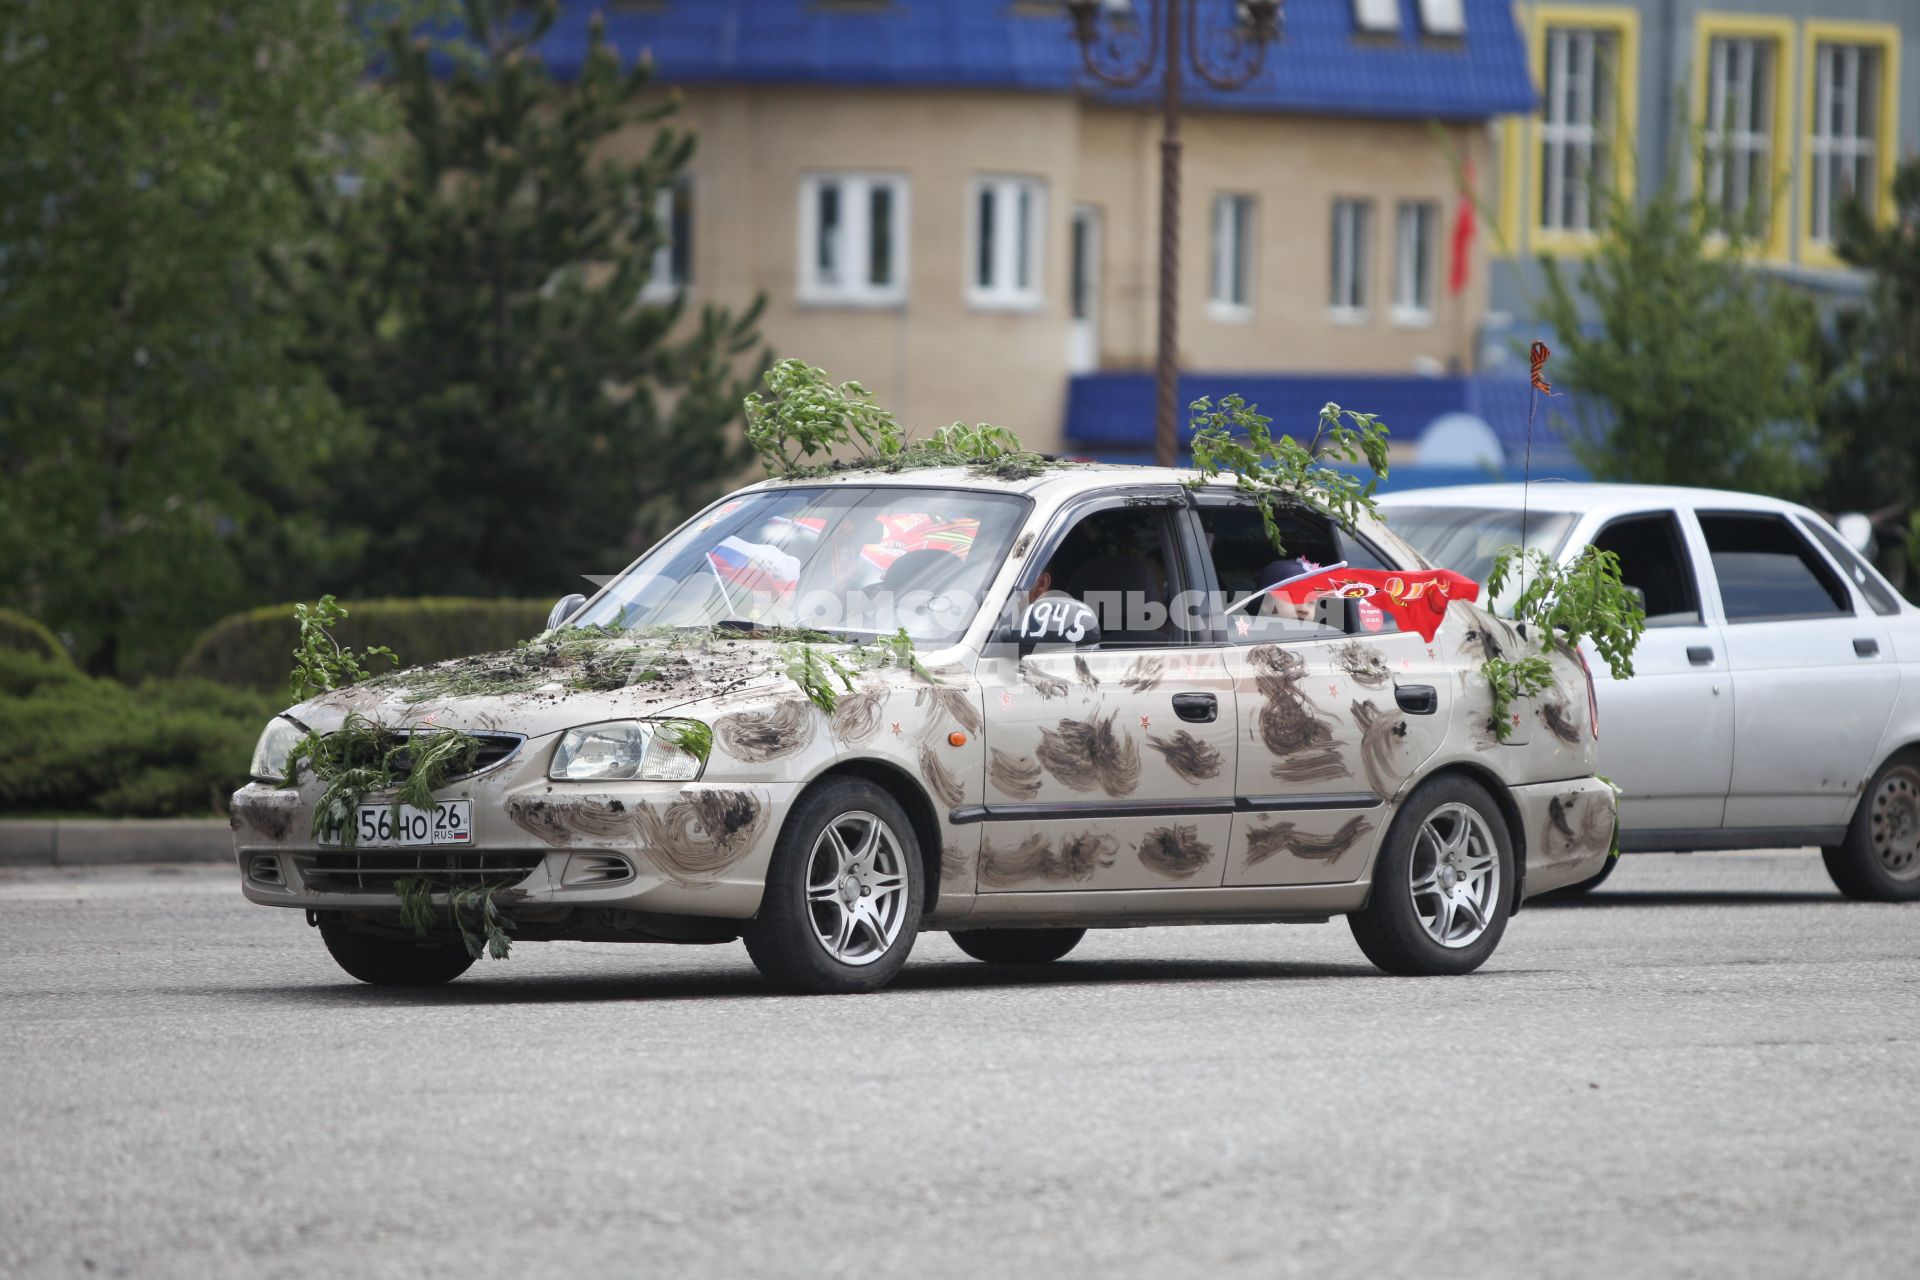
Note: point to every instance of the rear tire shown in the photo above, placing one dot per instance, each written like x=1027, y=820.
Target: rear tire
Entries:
x=844, y=886
x=395, y=962
x=1879, y=860
x=1442, y=885
x=1017, y=946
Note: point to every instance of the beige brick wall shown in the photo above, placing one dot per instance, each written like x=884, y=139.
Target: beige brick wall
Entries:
x=937, y=357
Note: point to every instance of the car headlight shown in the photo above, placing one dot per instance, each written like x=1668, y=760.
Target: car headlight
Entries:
x=270, y=753
x=621, y=749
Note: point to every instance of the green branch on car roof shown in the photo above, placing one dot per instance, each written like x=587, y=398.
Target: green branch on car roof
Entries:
x=1279, y=471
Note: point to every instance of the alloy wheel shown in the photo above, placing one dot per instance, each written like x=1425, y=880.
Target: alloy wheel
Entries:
x=857, y=888
x=1454, y=875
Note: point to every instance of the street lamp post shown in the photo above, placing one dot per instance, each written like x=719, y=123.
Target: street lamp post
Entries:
x=1124, y=54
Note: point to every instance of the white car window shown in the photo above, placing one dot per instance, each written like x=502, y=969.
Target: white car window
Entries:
x=1879, y=595
x=1767, y=570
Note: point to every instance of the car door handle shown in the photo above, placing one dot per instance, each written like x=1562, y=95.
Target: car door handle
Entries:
x=1200, y=708
x=1866, y=648
x=1699, y=655
x=1416, y=699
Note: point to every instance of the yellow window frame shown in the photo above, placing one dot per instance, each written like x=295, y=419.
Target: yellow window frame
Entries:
x=1522, y=135
x=1743, y=26
x=1884, y=37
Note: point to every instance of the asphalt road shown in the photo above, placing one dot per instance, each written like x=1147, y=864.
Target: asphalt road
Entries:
x=1707, y=1069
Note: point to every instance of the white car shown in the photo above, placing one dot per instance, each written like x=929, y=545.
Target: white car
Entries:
x=1775, y=701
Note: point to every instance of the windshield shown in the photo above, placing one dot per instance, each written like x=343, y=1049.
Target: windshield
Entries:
x=1465, y=539
x=860, y=561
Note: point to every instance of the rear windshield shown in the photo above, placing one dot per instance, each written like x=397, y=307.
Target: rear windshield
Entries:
x=1465, y=539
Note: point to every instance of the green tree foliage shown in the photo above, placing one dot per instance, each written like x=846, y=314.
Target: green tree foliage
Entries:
x=1704, y=366
x=1870, y=417
x=481, y=307
x=155, y=440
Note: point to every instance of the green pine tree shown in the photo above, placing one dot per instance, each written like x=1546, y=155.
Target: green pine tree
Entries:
x=481, y=308
x=156, y=444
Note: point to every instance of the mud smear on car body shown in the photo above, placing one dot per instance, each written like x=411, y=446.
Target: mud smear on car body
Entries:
x=1264, y=842
x=940, y=779
x=269, y=814
x=1091, y=755
x=1362, y=664
x=1578, y=824
x=856, y=715
x=1176, y=851
x=1192, y=758
x=1017, y=776
x=1557, y=718
x=1382, y=735
x=949, y=703
x=1084, y=673
x=1077, y=858
x=1289, y=725
x=756, y=737
x=1045, y=684
x=702, y=833
x=561, y=820
x=1143, y=675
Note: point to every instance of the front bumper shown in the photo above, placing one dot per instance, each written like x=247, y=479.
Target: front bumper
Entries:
x=662, y=848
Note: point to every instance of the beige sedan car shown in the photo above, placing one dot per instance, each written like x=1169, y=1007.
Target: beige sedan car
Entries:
x=1107, y=719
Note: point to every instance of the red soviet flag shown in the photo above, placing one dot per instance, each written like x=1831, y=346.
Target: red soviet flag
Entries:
x=1416, y=601
x=1462, y=235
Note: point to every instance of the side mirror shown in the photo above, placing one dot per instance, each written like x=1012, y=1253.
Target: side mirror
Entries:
x=1058, y=621
x=1638, y=596
x=566, y=608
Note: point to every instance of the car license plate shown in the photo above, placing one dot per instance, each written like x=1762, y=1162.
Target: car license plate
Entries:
x=450, y=822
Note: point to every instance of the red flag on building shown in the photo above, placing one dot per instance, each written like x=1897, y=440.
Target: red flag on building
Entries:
x=1416, y=601
x=1462, y=234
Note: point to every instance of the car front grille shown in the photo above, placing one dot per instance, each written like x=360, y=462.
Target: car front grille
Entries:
x=376, y=870
x=495, y=748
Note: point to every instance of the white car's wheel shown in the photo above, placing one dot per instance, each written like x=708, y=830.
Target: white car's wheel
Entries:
x=842, y=903
x=1879, y=860
x=1442, y=885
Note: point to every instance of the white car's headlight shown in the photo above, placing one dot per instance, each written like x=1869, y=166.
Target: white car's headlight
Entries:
x=270, y=753
x=621, y=749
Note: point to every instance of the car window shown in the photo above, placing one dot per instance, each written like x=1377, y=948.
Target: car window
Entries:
x=1122, y=561
x=1879, y=595
x=1244, y=561
x=1767, y=570
x=1654, y=559
x=858, y=560
x=1466, y=539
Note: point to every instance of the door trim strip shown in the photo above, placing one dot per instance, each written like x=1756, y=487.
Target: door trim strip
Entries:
x=1090, y=809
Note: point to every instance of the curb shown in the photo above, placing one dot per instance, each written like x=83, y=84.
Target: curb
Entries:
x=84, y=842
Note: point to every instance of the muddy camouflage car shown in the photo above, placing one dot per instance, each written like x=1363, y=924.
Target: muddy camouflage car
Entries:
x=1105, y=718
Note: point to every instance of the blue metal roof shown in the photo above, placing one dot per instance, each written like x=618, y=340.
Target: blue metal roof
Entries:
x=1320, y=66
x=1111, y=414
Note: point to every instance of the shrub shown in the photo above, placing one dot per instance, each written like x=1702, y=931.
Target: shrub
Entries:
x=21, y=633
x=71, y=743
x=254, y=649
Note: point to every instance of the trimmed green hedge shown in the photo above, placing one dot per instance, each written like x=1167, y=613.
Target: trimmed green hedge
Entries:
x=71, y=743
x=255, y=649
x=22, y=634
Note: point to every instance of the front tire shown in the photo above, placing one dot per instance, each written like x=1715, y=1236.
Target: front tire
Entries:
x=395, y=962
x=1017, y=946
x=1879, y=860
x=844, y=887
x=1442, y=885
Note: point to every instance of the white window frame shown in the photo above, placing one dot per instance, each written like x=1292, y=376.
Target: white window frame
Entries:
x=1572, y=124
x=853, y=243
x=1743, y=77
x=1376, y=17
x=1415, y=232
x=1852, y=143
x=1230, y=297
x=1350, y=283
x=1016, y=265
x=1443, y=17
x=663, y=283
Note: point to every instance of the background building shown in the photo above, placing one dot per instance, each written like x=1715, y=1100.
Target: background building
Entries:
x=937, y=200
